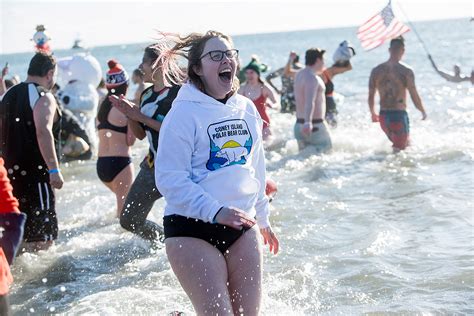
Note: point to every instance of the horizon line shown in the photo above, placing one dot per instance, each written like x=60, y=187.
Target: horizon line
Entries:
x=241, y=34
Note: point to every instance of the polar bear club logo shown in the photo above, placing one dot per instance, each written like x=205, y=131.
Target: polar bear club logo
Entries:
x=230, y=144
x=233, y=152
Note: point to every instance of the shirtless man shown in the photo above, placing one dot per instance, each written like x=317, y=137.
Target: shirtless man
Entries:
x=310, y=127
x=391, y=79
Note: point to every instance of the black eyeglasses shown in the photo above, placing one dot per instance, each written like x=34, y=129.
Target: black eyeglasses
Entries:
x=217, y=55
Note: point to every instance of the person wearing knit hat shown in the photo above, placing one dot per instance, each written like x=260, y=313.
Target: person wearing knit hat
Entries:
x=256, y=66
x=116, y=75
x=259, y=92
x=114, y=165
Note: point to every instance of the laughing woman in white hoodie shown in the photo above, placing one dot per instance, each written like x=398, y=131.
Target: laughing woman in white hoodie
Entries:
x=210, y=167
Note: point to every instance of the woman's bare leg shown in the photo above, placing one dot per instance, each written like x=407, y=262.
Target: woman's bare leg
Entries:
x=244, y=265
x=202, y=271
x=121, y=185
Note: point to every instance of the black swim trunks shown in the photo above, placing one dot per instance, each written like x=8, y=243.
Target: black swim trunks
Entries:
x=37, y=201
x=220, y=236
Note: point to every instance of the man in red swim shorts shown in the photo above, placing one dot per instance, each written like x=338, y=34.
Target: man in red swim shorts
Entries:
x=392, y=79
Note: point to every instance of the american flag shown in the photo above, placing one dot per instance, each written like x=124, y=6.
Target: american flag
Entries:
x=379, y=28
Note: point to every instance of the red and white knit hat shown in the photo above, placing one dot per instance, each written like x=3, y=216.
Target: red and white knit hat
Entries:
x=116, y=75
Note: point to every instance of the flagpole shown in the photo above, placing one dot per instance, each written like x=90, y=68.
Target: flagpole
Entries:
x=413, y=28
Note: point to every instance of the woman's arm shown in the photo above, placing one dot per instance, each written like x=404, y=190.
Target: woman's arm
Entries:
x=258, y=163
x=130, y=135
x=274, y=75
x=132, y=112
x=336, y=70
x=270, y=94
x=288, y=70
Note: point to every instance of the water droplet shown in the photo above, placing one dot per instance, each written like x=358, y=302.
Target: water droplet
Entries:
x=113, y=90
x=52, y=309
x=44, y=280
x=32, y=310
x=42, y=93
x=10, y=171
x=16, y=167
x=108, y=134
x=17, y=119
x=23, y=172
x=40, y=167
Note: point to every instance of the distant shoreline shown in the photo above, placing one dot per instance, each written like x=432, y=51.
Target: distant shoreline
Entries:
x=243, y=35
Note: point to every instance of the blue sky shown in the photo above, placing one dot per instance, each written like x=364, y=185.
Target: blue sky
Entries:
x=108, y=22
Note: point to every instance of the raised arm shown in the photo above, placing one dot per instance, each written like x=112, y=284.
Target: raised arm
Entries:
x=444, y=74
x=43, y=116
x=371, y=99
x=289, y=71
x=414, y=93
x=3, y=87
x=273, y=75
x=432, y=62
x=333, y=70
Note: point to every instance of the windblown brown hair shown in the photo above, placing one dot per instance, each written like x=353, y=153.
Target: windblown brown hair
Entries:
x=191, y=48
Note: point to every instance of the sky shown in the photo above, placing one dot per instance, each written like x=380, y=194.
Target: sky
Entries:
x=111, y=22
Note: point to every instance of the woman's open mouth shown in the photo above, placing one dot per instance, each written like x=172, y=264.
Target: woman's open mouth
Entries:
x=226, y=75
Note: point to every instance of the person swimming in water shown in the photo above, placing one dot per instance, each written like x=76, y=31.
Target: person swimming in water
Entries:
x=456, y=76
x=260, y=94
x=287, y=74
x=114, y=165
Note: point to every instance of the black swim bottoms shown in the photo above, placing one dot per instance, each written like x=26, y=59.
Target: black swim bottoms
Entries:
x=109, y=167
x=220, y=236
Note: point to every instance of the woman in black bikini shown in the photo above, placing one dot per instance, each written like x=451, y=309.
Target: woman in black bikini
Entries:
x=114, y=166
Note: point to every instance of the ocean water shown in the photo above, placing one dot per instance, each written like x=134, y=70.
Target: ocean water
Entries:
x=362, y=230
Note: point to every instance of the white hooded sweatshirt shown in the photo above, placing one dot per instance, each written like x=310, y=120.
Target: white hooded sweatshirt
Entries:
x=211, y=155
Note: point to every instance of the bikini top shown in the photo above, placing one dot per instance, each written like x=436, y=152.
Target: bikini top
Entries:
x=115, y=128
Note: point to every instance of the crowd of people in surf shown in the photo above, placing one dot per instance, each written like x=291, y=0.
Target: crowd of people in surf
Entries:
x=207, y=126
